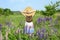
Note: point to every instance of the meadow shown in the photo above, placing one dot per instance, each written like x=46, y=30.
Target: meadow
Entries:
x=46, y=24
x=46, y=28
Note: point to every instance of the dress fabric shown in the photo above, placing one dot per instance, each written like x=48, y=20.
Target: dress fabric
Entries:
x=29, y=27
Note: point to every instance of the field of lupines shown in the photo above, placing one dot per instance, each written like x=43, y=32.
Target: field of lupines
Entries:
x=46, y=28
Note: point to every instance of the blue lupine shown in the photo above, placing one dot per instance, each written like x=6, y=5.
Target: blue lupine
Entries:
x=44, y=19
x=38, y=32
x=47, y=18
x=42, y=33
x=43, y=30
x=39, y=20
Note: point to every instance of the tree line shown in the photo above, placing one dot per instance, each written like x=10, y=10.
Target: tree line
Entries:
x=50, y=10
x=5, y=11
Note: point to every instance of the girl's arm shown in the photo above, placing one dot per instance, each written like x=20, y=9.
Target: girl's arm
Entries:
x=33, y=13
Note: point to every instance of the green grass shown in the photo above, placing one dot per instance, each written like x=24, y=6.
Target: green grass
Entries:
x=17, y=19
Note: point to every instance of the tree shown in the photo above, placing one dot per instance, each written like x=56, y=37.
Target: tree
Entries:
x=50, y=9
x=1, y=11
x=7, y=12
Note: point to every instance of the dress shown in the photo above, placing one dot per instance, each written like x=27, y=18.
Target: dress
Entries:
x=29, y=27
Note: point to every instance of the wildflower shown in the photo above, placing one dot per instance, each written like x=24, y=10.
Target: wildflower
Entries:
x=39, y=20
x=48, y=19
x=42, y=33
x=43, y=30
x=38, y=32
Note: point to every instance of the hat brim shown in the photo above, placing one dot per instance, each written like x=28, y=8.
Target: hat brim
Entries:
x=31, y=14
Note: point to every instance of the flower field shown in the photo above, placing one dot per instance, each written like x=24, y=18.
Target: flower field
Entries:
x=45, y=28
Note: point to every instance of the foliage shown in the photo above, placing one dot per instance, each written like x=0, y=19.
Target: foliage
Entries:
x=46, y=28
x=1, y=11
x=5, y=12
x=50, y=9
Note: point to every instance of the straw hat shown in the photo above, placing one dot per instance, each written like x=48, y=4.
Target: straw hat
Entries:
x=29, y=11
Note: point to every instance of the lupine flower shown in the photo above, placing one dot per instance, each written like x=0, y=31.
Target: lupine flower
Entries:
x=44, y=19
x=0, y=27
x=43, y=30
x=47, y=18
x=38, y=32
x=39, y=20
x=42, y=34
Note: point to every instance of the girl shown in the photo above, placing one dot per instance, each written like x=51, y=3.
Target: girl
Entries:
x=29, y=13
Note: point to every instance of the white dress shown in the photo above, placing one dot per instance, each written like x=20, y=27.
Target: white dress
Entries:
x=29, y=27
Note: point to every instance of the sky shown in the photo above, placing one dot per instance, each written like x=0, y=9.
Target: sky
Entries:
x=19, y=5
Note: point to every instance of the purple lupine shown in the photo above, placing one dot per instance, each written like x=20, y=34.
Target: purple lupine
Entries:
x=39, y=20
x=50, y=18
x=43, y=30
x=42, y=34
x=38, y=32
x=47, y=18
x=0, y=27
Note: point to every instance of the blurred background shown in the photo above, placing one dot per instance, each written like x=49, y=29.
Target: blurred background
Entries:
x=46, y=20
